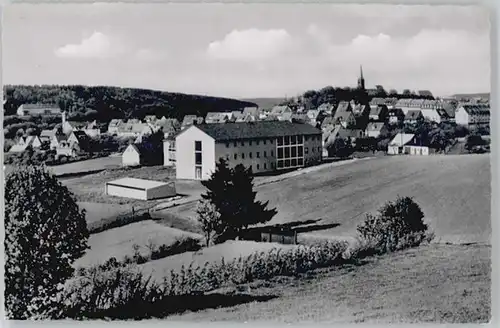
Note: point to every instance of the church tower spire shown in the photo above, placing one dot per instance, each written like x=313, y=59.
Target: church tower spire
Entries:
x=361, y=80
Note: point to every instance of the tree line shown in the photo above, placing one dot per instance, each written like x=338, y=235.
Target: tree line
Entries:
x=103, y=103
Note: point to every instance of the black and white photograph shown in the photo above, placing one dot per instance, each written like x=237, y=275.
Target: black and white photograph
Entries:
x=284, y=163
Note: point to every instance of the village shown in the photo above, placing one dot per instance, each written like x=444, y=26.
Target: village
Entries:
x=380, y=124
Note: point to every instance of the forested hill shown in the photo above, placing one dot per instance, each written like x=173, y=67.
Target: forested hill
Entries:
x=104, y=103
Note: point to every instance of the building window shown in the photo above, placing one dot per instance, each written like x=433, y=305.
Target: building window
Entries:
x=272, y=153
x=197, y=145
x=227, y=144
x=242, y=144
x=257, y=142
x=313, y=149
x=265, y=141
x=265, y=166
x=287, y=152
x=242, y=155
x=235, y=156
x=257, y=167
x=198, y=158
x=306, y=138
x=293, y=140
x=280, y=141
x=299, y=140
x=250, y=154
x=287, y=140
x=258, y=154
x=235, y=144
x=197, y=172
x=265, y=153
x=300, y=151
x=280, y=153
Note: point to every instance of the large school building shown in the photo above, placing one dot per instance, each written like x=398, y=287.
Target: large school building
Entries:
x=263, y=145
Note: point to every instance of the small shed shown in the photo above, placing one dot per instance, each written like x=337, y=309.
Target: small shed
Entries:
x=140, y=188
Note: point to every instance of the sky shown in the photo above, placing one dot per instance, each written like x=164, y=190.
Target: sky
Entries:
x=248, y=50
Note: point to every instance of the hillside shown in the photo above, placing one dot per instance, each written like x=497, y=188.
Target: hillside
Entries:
x=265, y=103
x=105, y=102
x=453, y=191
x=485, y=95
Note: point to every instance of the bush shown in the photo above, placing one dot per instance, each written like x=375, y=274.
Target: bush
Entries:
x=181, y=245
x=398, y=225
x=118, y=221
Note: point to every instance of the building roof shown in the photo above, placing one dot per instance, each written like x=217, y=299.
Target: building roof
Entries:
x=60, y=137
x=413, y=114
x=115, y=122
x=377, y=110
x=327, y=107
x=396, y=112
x=47, y=133
x=343, y=106
x=138, y=183
x=255, y=130
x=191, y=119
x=278, y=110
x=251, y=110
x=342, y=115
x=375, y=126
x=401, y=139
x=477, y=109
x=377, y=101
x=329, y=120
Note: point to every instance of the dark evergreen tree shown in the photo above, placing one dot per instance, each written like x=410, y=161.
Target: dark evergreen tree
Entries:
x=231, y=192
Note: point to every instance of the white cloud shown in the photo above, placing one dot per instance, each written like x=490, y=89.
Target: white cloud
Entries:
x=251, y=44
x=97, y=45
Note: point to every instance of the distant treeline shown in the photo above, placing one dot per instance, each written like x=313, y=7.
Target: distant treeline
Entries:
x=104, y=103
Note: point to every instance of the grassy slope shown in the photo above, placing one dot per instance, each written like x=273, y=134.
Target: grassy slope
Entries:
x=453, y=191
x=119, y=242
x=437, y=283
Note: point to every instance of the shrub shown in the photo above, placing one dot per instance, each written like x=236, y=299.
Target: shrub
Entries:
x=45, y=232
x=118, y=221
x=181, y=245
x=398, y=225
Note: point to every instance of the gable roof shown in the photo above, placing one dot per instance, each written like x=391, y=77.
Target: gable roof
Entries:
x=115, y=122
x=413, y=114
x=80, y=136
x=343, y=106
x=375, y=126
x=258, y=129
x=191, y=119
x=377, y=110
x=342, y=115
x=327, y=107
x=47, y=133
x=278, y=110
x=476, y=109
x=251, y=110
x=401, y=139
x=329, y=120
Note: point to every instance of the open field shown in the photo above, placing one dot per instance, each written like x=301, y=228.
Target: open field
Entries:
x=90, y=165
x=436, y=283
x=91, y=187
x=453, y=191
x=119, y=242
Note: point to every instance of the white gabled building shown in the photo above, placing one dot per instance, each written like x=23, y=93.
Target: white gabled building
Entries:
x=473, y=115
x=264, y=146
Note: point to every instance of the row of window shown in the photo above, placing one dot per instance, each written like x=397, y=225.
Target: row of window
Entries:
x=250, y=142
x=289, y=163
x=250, y=155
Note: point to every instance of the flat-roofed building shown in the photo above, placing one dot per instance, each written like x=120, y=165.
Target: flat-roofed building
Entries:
x=140, y=188
x=263, y=145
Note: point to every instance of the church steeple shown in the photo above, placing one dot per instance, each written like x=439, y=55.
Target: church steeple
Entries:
x=361, y=80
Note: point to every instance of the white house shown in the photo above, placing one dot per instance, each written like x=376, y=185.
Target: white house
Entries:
x=476, y=115
x=405, y=143
x=38, y=109
x=374, y=129
x=264, y=146
x=131, y=156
